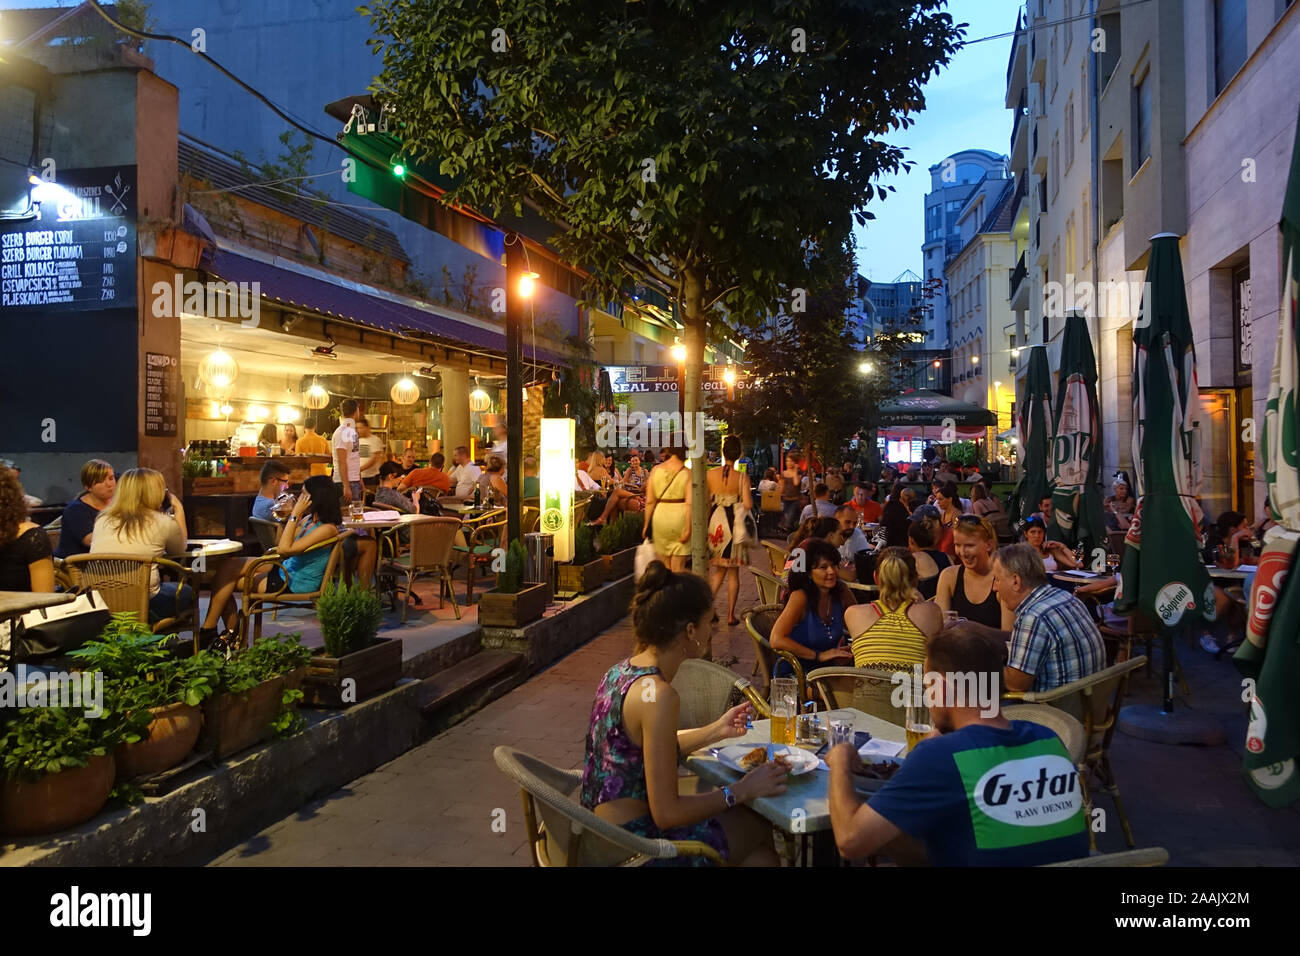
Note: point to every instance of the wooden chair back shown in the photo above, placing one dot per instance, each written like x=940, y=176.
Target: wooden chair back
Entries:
x=122, y=580
x=1094, y=700
x=431, y=541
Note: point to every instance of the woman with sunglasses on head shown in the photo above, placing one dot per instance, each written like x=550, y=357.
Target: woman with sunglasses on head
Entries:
x=633, y=743
x=967, y=587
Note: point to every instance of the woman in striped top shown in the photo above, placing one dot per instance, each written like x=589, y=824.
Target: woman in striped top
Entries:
x=890, y=633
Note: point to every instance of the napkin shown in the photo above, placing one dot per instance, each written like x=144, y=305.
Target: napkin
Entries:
x=875, y=747
x=381, y=516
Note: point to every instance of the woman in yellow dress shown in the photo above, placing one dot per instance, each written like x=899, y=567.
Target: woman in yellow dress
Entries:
x=668, y=509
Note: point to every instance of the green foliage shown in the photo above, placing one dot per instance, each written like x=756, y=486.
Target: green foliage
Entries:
x=43, y=740
x=267, y=658
x=349, y=616
x=584, y=538
x=194, y=465
x=963, y=453
x=139, y=672
x=621, y=533
x=511, y=580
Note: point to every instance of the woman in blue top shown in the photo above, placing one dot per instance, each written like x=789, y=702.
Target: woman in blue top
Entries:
x=316, y=517
x=812, y=625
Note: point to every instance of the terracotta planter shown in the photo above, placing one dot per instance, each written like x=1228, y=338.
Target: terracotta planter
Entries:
x=513, y=610
x=235, y=722
x=619, y=564
x=580, y=577
x=343, y=681
x=172, y=735
x=56, y=801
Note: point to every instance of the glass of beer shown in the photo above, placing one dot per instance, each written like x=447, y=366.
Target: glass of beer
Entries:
x=785, y=712
x=916, y=725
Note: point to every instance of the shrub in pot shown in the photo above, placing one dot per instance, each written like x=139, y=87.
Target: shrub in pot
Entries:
x=587, y=570
x=56, y=767
x=257, y=695
x=144, y=681
x=617, y=542
x=513, y=602
x=356, y=662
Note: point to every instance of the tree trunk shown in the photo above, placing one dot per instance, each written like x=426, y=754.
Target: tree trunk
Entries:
x=693, y=306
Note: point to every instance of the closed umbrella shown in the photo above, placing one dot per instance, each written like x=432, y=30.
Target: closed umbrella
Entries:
x=1034, y=422
x=1271, y=652
x=1075, y=458
x=1167, y=579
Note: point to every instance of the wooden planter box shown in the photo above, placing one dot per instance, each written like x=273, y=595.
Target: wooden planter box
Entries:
x=373, y=669
x=580, y=577
x=513, y=610
x=619, y=564
x=209, y=486
x=235, y=722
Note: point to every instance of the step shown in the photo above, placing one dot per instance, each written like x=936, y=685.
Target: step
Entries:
x=483, y=668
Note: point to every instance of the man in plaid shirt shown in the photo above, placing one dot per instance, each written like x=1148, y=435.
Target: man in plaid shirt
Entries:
x=1054, y=640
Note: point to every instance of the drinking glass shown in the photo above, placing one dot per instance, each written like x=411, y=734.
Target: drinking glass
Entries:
x=1112, y=562
x=841, y=731
x=784, y=701
x=916, y=725
x=950, y=618
x=356, y=510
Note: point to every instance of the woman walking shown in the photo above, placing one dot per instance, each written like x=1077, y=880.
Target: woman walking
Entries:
x=730, y=497
x=668, y=509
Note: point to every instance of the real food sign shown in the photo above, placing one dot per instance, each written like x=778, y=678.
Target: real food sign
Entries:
x=627, y=379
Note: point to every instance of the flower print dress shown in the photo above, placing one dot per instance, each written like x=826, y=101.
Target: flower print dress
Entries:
x=616, y=767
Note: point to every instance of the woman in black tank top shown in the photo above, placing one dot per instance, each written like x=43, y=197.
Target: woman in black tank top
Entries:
x=974, y=540
x=987, y=612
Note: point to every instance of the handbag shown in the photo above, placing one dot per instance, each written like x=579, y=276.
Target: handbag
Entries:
x=56, y=630
x=746, y=529
x=645, y=553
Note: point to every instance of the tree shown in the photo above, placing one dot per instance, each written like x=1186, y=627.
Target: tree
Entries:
x=703, y=145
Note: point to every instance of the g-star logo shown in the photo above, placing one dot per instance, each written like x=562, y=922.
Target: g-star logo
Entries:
x=1172, y=601
x=1034, y=791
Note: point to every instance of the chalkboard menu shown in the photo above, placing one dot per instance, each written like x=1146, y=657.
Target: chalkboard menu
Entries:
x=162, y=394
x=77, y=252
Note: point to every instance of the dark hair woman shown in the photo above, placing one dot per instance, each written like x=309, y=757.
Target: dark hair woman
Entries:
x=730, y=497
x=811, y=627
x=26, y=563
x=633, y=741
x=316, y=517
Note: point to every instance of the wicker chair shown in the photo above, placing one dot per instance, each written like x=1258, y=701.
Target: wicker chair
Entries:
x=864, y=593
x=429, y=555
x=776, y=557
x=123, y=580
x=1096, y=700
x=759, y=621
x=484, y=538
x=255, y=604
x=862, y=688
x=1148, y=856
x=562, y=832
x=768, y=585
x=706, y=690
x=531, y=517
x=1071, y=732
x=267, y=532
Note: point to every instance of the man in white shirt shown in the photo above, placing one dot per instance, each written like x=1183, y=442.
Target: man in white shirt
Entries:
x=371, y=453
x=499, y=447
x=345, y=445
x=465, y=474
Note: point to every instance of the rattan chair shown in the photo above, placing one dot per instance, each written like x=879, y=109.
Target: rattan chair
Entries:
x=562, y=832
x=124, y=581
x=769, y=586
x=54, y=531
x=484, y=538
x=707, y=690
x=1071, y=732
x=776, y=557
x=1147, y=856
x=429, y=555
x=862, y=688
x=864, y=593
x=1096, y=701
x=267, y=532
x=255, y=604
x=759, y=621
x=531, y=517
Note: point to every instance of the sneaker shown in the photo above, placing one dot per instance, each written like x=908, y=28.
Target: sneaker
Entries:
x=1209, y=644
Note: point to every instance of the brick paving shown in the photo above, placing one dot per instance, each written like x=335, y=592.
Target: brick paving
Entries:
x=437, y=804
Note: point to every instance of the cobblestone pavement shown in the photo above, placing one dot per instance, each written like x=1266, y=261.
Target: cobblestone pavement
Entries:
x=436, y=805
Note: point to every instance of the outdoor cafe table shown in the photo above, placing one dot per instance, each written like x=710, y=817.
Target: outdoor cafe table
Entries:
x=804, y=809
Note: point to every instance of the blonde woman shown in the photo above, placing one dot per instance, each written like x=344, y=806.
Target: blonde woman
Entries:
x=967, y=587
x=668, y=509
x=890, y=633
x=145, y=519
x=728, y=493
x=596, y=469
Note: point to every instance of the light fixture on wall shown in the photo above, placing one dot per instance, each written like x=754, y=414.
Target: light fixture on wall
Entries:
x=316, y=397
x=257, y=413
x=219, y=369
x=226, y=410
x=286, y=414
x=405, y=391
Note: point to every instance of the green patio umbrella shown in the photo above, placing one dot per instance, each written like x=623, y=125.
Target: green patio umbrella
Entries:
x=1075, y=459
x=1271, y=653
x=1167, y=579
x=1034, y=422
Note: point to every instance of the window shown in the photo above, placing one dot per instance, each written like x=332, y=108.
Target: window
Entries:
x=1069, y=245
x=1051, y=68
x=1229, y=40
x=1069, y=132
x=1056, y=165
x=1085, y=253
x=1142, y=121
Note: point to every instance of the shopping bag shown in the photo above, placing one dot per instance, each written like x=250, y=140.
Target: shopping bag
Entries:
x=645, y=553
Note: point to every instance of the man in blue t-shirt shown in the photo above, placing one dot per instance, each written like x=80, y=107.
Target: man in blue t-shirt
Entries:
x=275, y=478
x=981, y=790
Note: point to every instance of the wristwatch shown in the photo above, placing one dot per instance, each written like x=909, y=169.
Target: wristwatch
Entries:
x=729, y=797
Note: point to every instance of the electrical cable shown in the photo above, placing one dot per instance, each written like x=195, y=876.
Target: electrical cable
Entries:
x=1052, y=23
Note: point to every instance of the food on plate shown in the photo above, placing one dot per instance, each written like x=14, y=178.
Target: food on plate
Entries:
x=879, y=770
x=752, y=759
x=784, y=760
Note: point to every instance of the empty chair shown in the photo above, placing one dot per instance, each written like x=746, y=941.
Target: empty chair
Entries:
x=769, y=586
x=862, y=688
x=429, y=555
x=707, y=690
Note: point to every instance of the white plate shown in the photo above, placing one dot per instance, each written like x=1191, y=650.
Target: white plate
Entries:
x=802, y=761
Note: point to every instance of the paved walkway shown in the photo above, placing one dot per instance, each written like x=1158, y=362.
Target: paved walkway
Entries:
x=443, y=803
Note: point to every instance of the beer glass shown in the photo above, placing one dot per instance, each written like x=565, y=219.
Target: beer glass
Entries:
x=785, y=709
x=916, y=724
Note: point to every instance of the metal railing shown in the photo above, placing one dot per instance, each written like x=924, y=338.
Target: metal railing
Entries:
x=1018, y=275
x=1022, y=189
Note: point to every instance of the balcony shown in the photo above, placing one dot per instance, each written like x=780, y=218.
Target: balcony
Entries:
x=1019, y=159
x=1016, y=62
x=1022, y=190
x=1039, y=155
x=1037, y=64
x=1018, y=275
x=1042, y=197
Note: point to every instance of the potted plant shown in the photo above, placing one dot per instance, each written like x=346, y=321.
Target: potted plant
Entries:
x=356, y=663
x=587, y=570
x=258, y=693
x=56, y=767
x=142, y=678
x=618, y=541
x=513, y=603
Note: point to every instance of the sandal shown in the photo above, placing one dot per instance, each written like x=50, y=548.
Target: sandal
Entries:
x=733, y=622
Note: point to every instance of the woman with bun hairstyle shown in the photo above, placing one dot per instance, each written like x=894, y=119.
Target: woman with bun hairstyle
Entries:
x=633, y=742
x=890, y=633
